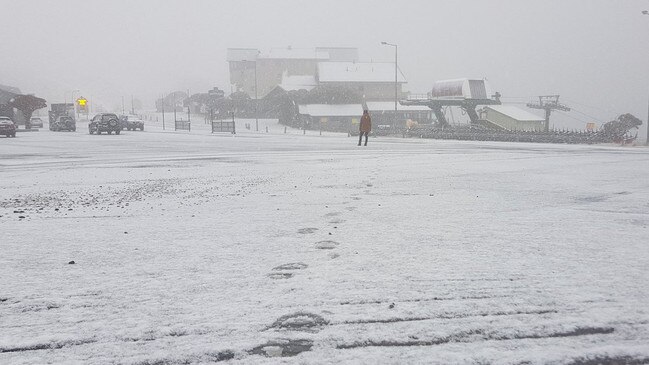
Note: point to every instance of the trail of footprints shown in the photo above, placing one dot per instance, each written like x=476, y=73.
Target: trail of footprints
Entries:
x=301, y=321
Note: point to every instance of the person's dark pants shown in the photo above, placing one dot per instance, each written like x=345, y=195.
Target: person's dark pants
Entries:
x=360, y=137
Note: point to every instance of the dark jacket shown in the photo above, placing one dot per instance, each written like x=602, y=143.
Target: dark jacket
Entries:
x=366, y=123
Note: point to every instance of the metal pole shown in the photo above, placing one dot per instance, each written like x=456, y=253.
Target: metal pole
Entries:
x=122, y=105
x=396, y=50
x=132, y=106
x=396, y=79
x=74, y=105
x=163, y=112
x=256, y=101
x=646, y=12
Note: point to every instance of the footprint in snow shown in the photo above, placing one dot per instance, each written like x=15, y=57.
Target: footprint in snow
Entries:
x=280, y=275
x=291, y=266
x=326, y=245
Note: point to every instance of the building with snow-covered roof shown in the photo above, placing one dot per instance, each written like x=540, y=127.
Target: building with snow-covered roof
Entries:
x=383, y=113
x=331, y=117
x=512, y=118
x=298, y=82
x=373, y=80
x=268, y=69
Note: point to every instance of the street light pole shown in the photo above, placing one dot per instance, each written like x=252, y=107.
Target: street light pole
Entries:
x=74, y=106
x=256, y=101
x=646, y=12
x=396, y=78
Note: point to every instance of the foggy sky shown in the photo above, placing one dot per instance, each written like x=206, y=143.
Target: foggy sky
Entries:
x=595, y=54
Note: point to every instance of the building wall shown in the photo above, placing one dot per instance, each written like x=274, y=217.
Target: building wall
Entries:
x=372, y=91
x=269, y=73
x=512, y=124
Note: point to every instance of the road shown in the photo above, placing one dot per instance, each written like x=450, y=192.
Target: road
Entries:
x=272, y=247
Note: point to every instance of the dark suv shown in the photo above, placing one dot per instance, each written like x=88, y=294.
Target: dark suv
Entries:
x=63, y=123
x=7, y=127
x=105, y=122
x=132, y=122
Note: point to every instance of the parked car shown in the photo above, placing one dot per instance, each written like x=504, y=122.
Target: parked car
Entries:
x=63, y=123
x=132, y=122
x=105, y=122
x=7, y=127
x=36, y=122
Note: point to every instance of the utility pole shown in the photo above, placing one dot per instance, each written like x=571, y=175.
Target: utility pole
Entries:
x=396, y=79
x=132, y=106
x=256, y=101
x=188, y=106
x=646, y=12
x=163, y=111
x=548, y=103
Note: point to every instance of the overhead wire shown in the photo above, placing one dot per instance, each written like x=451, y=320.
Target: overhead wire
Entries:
x=572, y=117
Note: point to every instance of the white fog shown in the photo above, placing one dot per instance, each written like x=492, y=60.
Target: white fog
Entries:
x=324, y=182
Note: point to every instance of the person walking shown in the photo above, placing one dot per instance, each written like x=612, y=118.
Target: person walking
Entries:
x=365, y=126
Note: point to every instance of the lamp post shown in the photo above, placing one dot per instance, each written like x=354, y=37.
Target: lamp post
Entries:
x=256, y=101
x=396, y=78
x=646, y=12
x=65, y=102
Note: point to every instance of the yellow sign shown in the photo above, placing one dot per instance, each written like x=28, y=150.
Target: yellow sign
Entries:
x=82, y=101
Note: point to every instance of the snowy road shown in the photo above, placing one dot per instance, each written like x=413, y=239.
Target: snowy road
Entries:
x=196, y=248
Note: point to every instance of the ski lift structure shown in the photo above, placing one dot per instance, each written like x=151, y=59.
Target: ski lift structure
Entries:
x=465, y=93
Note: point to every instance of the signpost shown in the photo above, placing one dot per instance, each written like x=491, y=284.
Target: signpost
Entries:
x=82, y=105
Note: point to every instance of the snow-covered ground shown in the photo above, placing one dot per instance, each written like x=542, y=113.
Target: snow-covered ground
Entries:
x=290, y=248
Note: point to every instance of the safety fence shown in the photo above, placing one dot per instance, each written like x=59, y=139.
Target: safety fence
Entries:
x=223, y=126
x=183, y=125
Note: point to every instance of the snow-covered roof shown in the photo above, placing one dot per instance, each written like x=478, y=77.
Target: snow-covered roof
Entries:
x=331, y=110
x=242, y=54
x=515, y=112
x=358, y=72
x=298, y=82
x=389, y=105
x=295, y=53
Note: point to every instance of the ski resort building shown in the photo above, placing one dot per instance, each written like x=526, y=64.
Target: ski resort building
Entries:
x=257, y=72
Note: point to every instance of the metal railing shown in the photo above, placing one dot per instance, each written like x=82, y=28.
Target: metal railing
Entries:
x=223, y=126
x=183, y=125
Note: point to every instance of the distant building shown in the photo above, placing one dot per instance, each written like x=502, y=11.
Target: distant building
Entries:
x=280, y=71
x=300, y=68
x=511, y=118
x=332, y=117
x=382, y=113
x=374, y=81
x=273, y=66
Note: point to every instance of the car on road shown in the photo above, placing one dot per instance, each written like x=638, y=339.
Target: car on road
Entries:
x=63, y=123
x=7, y=127
x=132, y=122
x=105, y=122
x=36, y=122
